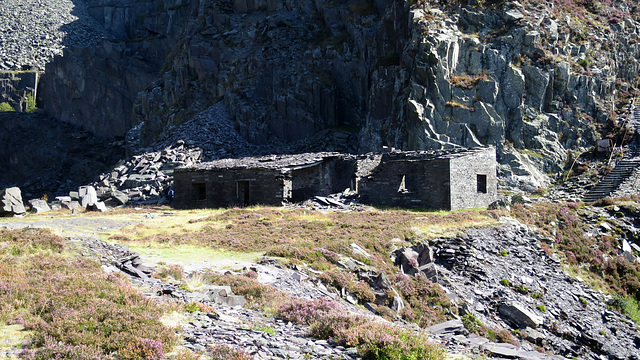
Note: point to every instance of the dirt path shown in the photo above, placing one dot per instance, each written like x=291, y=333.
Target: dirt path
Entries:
x=70, y=225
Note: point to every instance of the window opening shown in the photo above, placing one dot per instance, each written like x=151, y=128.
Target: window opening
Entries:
x=482, y=183
x=403, y=184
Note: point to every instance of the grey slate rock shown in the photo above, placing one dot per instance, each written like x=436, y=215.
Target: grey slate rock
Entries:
x=520, y=315
x=11, y=202
x=88, y=196
x=451, y=326
x=39, y=206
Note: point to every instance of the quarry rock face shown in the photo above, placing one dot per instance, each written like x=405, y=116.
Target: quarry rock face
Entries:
x=414, y=77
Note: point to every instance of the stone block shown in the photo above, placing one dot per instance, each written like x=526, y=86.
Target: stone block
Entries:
x=520, y=315
x=71, y=205
x=233, y=300
x=87, y=195
x=11, y=202
x=39, y=206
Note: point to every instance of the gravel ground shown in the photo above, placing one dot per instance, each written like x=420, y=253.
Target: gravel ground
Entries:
x=32, y=32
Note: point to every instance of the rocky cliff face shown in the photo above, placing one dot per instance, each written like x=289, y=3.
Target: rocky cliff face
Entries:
x=95, y=87
x=536, y=79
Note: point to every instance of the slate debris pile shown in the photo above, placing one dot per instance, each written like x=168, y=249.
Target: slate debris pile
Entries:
x=213, y=131
x=145, y=178
x=516, y=286
x=229, y=323
x=32, y=32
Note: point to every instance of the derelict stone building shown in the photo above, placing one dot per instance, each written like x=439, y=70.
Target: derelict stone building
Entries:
x=267, y=180
x=441, y=179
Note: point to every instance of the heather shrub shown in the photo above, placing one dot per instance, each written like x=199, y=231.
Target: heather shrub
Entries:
x=174, y=271
x=142, y=349
x=374, y=340
x=346, y=280
x=75, y=309
x=226, y=352
x=28, y=241
x=425, y=302
x=562, y=223
x=55, y=350
x=257, y=295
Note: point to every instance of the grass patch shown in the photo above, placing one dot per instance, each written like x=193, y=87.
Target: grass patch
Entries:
x=466, y=81
x=71, y=307
x=13, y=336
x=191, y=253
x=6, y=107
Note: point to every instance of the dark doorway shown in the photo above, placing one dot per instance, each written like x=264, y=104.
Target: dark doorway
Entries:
x=200, y=191
x=243, y=192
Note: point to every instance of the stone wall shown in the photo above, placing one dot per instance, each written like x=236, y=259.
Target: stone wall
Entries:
x=329, y=177
x=16, y=86
x=224, y=188
x=408, y=184
x=474, y=183
x=458, y=180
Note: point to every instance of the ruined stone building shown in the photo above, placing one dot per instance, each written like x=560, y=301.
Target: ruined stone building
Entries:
x=442, y=179
x=268, y=180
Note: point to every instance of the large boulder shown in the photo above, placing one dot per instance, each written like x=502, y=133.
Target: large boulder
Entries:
x=11, y=202
x=88, y=196
x=520, y=315
x=39, y=206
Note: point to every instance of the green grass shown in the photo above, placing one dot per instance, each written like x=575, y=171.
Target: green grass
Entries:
x=192, y=253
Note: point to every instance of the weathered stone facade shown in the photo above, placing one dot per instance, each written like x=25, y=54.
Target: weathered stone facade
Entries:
x=269, y=180
x=445, y=179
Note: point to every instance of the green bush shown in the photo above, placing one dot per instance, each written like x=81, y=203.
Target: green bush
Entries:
x=31, y=104
x=5, y=107
x=471, y=323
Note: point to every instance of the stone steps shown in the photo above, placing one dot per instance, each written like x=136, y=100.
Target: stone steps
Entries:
x=612, y=181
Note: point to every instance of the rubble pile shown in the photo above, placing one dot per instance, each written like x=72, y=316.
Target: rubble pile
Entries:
x=32, y=32
x=145, y=178
x=517, y=287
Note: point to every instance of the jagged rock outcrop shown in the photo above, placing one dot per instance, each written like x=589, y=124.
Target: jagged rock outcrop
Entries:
x=411, y=75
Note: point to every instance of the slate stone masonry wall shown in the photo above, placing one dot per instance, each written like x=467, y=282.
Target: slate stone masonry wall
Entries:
x=408, y=184
x=445, y=179
x=473, y=179
x=222, y=188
